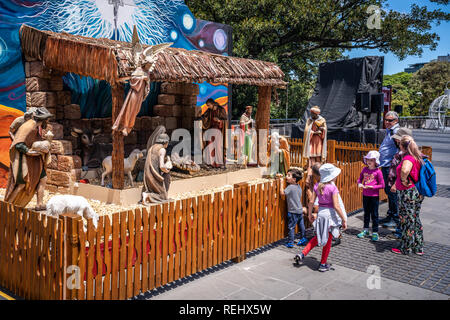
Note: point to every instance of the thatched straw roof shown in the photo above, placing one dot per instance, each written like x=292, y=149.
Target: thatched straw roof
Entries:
x=111, y=60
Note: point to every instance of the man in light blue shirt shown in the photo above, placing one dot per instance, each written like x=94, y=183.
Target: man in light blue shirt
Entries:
x=387, y=150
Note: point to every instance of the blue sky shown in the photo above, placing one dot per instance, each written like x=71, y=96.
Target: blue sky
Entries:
x=391, y=63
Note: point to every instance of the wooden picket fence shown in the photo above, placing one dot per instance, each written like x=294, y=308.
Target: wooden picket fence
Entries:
x=134, y=251
x=31, y=253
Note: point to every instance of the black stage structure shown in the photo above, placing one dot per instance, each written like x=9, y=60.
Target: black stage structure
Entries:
x=350, y=97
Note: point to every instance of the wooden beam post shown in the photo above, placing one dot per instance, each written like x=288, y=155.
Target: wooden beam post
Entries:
x=263, y=114
x=117, y=92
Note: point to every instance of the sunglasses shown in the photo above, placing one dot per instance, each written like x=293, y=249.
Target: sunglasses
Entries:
x=389, y=120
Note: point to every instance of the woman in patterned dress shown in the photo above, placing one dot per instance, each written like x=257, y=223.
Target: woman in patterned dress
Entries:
x=409, y=199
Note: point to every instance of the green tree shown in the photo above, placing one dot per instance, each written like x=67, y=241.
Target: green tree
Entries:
x=402, y=93
x=300, y=34
x=430, y=80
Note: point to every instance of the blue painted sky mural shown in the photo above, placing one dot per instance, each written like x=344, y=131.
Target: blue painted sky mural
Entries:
x=157, y=21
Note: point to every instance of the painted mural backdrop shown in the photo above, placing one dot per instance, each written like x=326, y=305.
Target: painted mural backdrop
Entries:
x=157, y=21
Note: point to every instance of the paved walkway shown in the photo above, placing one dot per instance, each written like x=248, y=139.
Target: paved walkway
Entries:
x=269, y=273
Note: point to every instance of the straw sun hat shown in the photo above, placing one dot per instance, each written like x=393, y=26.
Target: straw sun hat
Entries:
x=328, y=172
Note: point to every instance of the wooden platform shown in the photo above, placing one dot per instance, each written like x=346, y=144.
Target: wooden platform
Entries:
x=133, y=195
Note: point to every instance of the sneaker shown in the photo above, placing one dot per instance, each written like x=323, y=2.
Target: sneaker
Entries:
x=375, y=236
x=299, y=258
x=289, y=245
x=396, y=251
x=302, y=241
x=364, y=233
x=324, y=267
x=390, y=224
x=421, y=253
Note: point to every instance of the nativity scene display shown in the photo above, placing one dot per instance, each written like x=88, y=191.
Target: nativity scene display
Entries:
x=57, y=149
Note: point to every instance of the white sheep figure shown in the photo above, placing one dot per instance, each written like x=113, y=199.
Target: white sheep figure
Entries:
x=128, y=165
x=66, y=203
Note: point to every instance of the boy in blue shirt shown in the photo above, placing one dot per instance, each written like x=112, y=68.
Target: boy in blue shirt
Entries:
x=293, y=193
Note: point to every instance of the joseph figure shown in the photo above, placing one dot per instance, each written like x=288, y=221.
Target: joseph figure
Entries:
x=157, y=168
x=315, y=139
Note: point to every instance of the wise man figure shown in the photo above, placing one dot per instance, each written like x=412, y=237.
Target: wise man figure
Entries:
x=315, y=139
x=246, y=134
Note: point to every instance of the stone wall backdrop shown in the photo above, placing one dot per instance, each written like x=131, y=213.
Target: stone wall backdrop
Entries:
x=176, y=108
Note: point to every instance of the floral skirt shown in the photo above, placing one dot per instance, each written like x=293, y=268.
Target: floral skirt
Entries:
x=409, y=204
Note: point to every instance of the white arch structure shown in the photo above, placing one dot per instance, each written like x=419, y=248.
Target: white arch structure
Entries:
x=438, y=110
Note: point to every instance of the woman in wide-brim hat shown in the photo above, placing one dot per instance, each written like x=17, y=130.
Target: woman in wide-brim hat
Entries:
x=27, y=174
x=330, y=216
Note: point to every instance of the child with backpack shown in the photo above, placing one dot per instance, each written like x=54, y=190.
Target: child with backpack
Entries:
x=329, y=218
x=371, y=181
x=412, y=171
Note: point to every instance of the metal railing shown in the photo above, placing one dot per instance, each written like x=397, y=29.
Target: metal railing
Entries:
x=422, y=122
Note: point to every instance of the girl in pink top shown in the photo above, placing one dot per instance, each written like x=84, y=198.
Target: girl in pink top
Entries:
x=409, y=199
x=371, y=181
x=329, y=218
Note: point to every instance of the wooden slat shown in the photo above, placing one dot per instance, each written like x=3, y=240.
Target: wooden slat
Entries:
x=199, y=233
x=138, y=246
x=107, y=260
x=251, y=217
x=229, y=207
x=116, y=262
x=194, y=234
x=145, y=254
x=165, y=247
x=210, y=245
x=219, y=215
x=205, y=241
x=183, y=242
x=237, y=222
x=187, y=204
x=154, y=247
x=99, y=259
x=177, y=241
x=123, y=255
x=52, y=266
x=214, y=213
x=130, y=253
x=59, y=259
x=158, y=246
x=90, y=261
x=173, y=227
